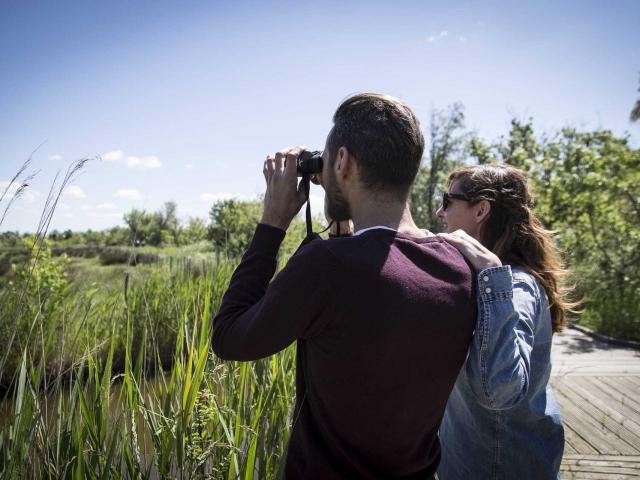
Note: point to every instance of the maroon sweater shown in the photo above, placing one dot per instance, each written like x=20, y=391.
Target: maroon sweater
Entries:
x=383, y=322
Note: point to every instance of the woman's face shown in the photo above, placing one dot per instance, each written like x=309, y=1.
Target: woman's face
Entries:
x=459, y=214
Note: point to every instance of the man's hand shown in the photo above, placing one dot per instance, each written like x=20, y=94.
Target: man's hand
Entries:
x=284, y=196
x=479, y=255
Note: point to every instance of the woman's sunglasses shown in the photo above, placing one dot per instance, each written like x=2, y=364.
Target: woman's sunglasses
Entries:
x=446, y=198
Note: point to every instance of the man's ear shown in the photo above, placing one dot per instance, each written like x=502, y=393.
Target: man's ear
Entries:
x=482, y=211
x=344, y=161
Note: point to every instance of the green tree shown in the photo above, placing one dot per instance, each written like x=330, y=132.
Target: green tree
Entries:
x=233, y=223
x=590, y=186
x=153, y=228
x=10, y=239
x=519, y=148
x=635, y=113
x=117, y=236
x=447, y=149
x=144, y=227
x=195, y=231
x=169, y=220
x=587, y=189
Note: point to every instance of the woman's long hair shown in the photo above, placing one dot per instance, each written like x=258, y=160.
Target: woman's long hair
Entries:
x=514, y=233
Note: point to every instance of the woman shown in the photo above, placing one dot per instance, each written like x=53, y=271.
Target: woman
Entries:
x=502, y=420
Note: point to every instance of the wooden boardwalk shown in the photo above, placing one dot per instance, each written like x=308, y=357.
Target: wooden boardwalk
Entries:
x=597, y=385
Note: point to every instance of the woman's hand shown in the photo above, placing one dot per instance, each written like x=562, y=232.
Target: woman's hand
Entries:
x=479, y=256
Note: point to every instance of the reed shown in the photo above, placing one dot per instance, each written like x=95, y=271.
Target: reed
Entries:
x=126, y=386
x=123, y=384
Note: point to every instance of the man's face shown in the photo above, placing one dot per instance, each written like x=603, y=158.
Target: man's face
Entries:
x=337, y=205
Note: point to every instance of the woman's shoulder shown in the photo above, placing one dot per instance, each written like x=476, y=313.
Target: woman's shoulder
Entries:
x=526, y=280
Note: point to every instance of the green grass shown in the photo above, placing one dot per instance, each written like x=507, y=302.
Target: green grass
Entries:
x=88, y=273
x=109, y=410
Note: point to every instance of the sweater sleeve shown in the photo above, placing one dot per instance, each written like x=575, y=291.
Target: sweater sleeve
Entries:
x=257, y=318
x=499, y=361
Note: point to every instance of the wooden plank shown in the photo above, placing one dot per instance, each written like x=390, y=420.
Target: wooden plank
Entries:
x=603, y=470
x=623, y=428
x=572, y=475
x=569, y=449
x=604, y=393
x=616, y=384
x=584, y=441
x=575, y=442
x=597, y=386
x=602, y=467
x=604, y=400
x=632, y=459
x=612, y=389
x=603, y=440
x=630, y=387
x=635, y=378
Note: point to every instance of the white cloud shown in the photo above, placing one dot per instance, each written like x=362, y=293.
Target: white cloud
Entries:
x=94, y=214
x=74, y=191
x=128, y=193
x=28, y=195
x=62, y=206
x=480, y=23
x=12, y=190
x=462, y=39
x=188, y=166
x=212, y=197
x=55, y=157
x=113, y=156
x=137, y=162
x=438, y=37
x=106, y=206
x=143, y=163
x=185, y=211
x=103, y=210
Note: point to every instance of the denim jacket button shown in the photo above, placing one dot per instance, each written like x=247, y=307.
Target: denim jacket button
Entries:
x=485, y=278
x=488, y=290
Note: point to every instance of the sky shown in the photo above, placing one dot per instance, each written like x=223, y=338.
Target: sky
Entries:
x=182, y=101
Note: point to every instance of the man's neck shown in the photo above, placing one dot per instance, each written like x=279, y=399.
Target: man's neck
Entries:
x=373, y=212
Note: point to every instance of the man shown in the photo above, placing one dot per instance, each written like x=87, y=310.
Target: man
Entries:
x=382, y=319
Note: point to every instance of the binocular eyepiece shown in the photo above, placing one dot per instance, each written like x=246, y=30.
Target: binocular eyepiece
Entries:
x=310, y=163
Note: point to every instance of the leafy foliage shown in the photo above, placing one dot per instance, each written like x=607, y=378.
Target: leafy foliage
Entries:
x=153, y=228
x=447, y=149
x=233, y=223
x=635, y=113
x=587, y=187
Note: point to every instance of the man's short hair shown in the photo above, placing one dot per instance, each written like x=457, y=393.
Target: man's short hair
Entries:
x=384, y=136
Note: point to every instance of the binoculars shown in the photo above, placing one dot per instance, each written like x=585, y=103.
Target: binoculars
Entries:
x=310, y=163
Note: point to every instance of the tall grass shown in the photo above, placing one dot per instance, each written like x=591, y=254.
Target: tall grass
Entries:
x=89, y=397
x=123, y=383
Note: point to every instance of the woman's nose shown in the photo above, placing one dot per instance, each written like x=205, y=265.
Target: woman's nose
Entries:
x=440, y=212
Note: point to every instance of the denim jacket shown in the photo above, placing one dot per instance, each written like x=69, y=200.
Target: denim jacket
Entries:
x=502, y=420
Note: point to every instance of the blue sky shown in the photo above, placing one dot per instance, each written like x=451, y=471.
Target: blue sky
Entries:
x=185, y=99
